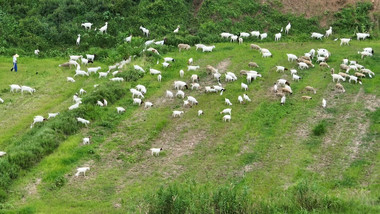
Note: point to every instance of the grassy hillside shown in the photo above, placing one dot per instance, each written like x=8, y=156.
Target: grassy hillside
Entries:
x=52, y=26
x=270, y=158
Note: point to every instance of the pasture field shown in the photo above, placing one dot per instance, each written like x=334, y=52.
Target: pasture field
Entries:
x=296, y=158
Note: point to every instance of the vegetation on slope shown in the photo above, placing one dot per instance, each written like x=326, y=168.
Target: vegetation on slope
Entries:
x=268, y=154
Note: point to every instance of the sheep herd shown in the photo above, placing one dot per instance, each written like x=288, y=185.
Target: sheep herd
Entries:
x=281, y=87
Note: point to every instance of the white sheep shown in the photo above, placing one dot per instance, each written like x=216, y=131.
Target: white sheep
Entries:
x=227, y=101
x=281, y=68
x=302, y=65
x=2, y=153
x=36, y=52
x=93, y=70
x=120, y=110
x=293, y=71
x=75, y=57
x=104, y=28
x=226, y=111
x=324, y=103
x=296, y=77
x=199, y=46
x=240, y=40
x=52, y=115
x=287, y=28
x=115, y=72
x=117, y=79
x=103, y=74
x=76, y=105
x=159, y=77
x=266, y=55
x=255, y=33
x=190, y=61
x=180, y=85
x=354, y=79
x=148, y=104
x=227, y=118
x=240, y=99
x=138, y=68
x=86, y=140
x=275, y=88
x=136, y=93
x=362, y=35
x=195, y=86
x=192, y=100
x=344, y=41
x=81, y=73
x=156, y=151
x=328, y=32
x=277, y=37
x=316, y=35
x=15, y=87
x=177, y=113
x=78, y=39
x=233, y=38
x=180, y=94
x=84, y=121
x=283, y=82
x=364, y=53
x=99, y=103
x=37, y=119
x=137, y=101
x=87, y=25
x=154, y=71
x=183, y=46
x=200, y=112
x=244, y=86
x=82, y=170
x=225, y=35
x=82, y=91
x=1, y=100
x=291, y=57
x=245, y=96
x=283, y=99
x=169, y=94
x=84, y=61
x=194, y=78
x=337, y=77
x=263, y=36
x=208, y=48
x=128, y=39
x=145, y=31
x=149, y=42
x=161, y=42
x=28, y=89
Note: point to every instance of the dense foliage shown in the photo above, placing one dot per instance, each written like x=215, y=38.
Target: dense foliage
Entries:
x=53, y=26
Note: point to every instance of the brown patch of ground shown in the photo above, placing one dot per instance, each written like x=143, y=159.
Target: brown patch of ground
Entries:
x=223, y=65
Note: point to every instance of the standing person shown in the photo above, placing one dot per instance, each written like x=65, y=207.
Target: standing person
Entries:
x=15, y=62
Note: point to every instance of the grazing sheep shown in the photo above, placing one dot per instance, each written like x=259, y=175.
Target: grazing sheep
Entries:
x=15, y=87
x=177, y=113
x=180, y=94
x=85, y=122
x=93, y=70
x=367, y=71
x=211, y=70
x=291, y=57
x=245, y=96
x=104, y=28
x=240, y=40
x=195, y=86
x=197, y=46
x=200, y=112
x=324, y=103
x=360, y=75
x=275, y=88
x=283, y=82
x=52, y=115
x=156, y=151
x=103, y=74
x=136, y=93
x=354, y=79
x=138, y=68
x=254, y=46
x=225, y=35
x=255, y=33
x=87, y=25
x=227, y=102
x=81, y=73
x=240, y=99
x=287, y=28
x=306, y=97
x=148, y=104
x=281, y=68
x=253, y=65
x=28, y=89
x=283, y=99
x=302, y=65
x=266, y=55
x=233, y=38
x=344, y=75
x=344, y=41
x=208, y=48
x=86, y=140
x=244, y=86
x=180, y=85
x=159, y=77
x=78, y=40
x=120, y=110
x=226, y=111
x=2, y=153
x=145, y=31
x=192, y=100
x=105, y=102
x=328, y=32
x=154, y=71
x=263, y=36
x=37, y=119
x=316, y=35
x=169, y=94
x=364, y=54
x=117, y=79
x=227, y=118
x=36, y=52
x=296, y=77
x=128, y=39
x=194, y=78
x=183, y=46
x=293, y=71
x=309, y=88
x=337, y=77
x=76, y=105
x=362, y=35
x=277, y=37
x=324, y=64
x=137, y=101
x=340, y=87
x=190, y=61
x=82, y=170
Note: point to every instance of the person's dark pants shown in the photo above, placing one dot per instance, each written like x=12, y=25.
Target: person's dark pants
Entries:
x=15, y=66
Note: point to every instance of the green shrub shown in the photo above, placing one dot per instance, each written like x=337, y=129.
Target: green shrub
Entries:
x=320, y=129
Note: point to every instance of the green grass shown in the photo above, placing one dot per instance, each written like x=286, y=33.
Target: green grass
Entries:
x=267, y=154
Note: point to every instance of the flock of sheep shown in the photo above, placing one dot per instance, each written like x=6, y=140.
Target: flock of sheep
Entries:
x=281, y=87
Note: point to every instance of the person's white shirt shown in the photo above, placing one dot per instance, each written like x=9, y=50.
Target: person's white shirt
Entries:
x=14, y=59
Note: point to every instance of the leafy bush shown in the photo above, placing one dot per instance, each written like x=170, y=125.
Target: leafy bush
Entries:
x=320, y=129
